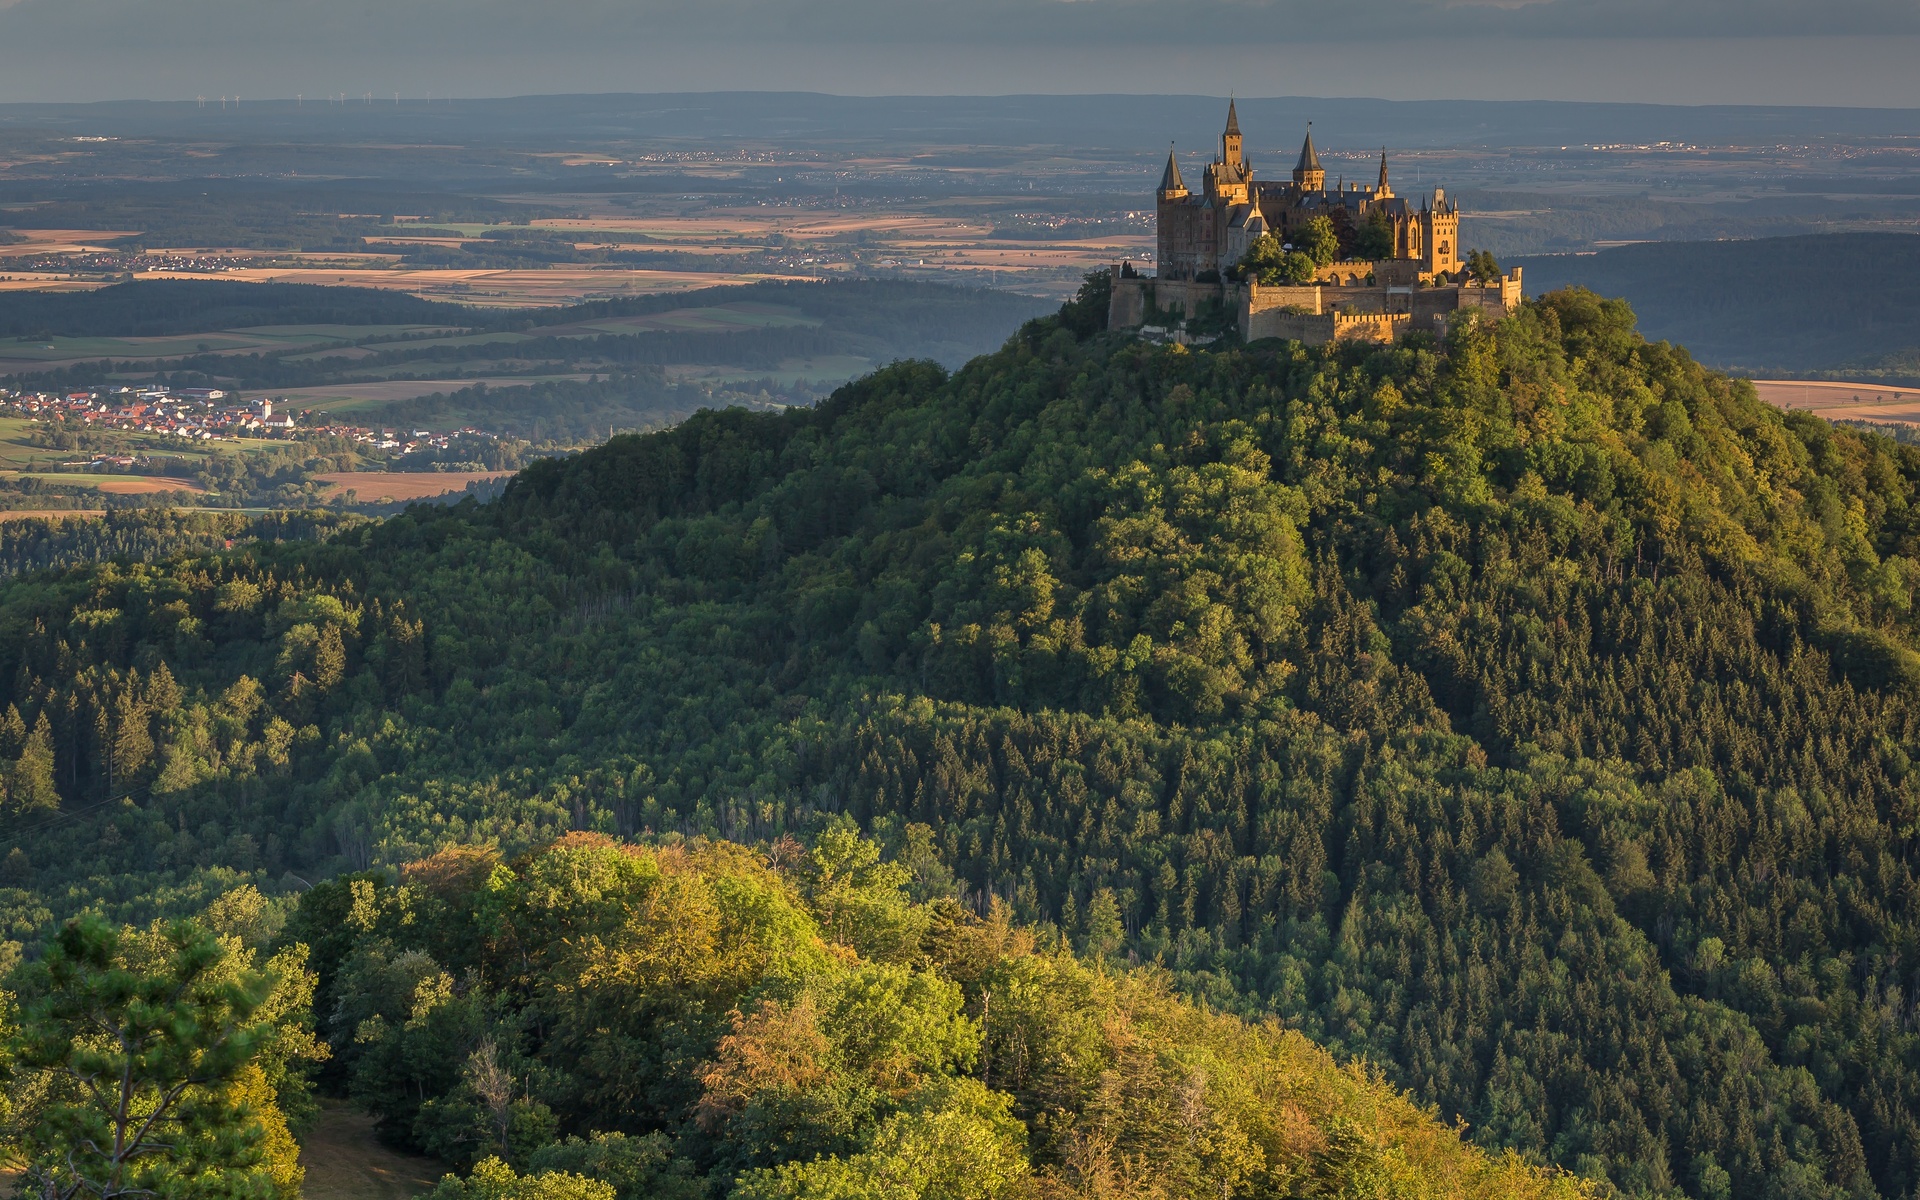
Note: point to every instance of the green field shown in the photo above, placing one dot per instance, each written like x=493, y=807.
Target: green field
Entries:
x=17, y=453
x=716, y=318
x=734, y=317
x=344, y=398
x=827, y=368
x=18, y=353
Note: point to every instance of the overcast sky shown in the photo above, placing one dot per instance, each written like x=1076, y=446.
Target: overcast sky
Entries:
x=1845, y=52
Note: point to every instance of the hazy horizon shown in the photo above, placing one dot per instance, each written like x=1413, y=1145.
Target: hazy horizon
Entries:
x=1783, y=52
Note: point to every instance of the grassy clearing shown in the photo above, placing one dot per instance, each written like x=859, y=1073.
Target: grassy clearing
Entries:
x=345, y=1161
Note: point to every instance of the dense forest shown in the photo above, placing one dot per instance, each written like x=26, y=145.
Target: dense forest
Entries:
x=595, y=1021
x=1526, y=711
x=41, y=543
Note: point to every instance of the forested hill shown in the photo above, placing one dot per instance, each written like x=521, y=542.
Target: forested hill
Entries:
x=163, y=306
x=1530, y=713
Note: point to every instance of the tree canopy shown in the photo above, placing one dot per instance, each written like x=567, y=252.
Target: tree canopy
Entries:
x=1527, y=711
x=692, y=1019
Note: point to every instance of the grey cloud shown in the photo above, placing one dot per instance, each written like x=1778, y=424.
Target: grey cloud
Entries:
x=1823, y=52
x=260, y=24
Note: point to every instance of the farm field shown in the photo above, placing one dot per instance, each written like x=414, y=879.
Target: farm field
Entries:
x=826, y=369
x=1842, y=400
x=717, y=318
x=59, y=241
x=48, y=281
x=18, y=454
x=372, y=486
x=111, y=485
x=45, y=514
x=958, y=238
x=352, y=397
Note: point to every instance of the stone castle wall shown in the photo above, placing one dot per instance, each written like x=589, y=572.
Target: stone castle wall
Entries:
x=1317, y=329
x=1315, y=313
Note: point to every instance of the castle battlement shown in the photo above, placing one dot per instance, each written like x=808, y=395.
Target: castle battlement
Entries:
x=1205, y=236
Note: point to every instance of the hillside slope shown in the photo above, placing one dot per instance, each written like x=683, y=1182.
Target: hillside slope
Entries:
x=701, y=1020
x=1530, y=713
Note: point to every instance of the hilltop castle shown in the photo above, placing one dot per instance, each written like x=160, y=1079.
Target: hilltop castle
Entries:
x=1398, y=267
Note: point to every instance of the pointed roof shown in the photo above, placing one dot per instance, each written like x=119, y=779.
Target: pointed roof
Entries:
x=1383, y=168
x=1309, y=158
x=1170, y=180
x=1233, y=119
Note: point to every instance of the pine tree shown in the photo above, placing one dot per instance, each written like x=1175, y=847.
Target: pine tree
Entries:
x=155, y=1107
x=132, y=740
x=13, y=733
x=30, y=786
x=329, y=660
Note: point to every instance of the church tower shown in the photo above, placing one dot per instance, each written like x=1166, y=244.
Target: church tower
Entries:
x=1307, y=175
x=1383, y=191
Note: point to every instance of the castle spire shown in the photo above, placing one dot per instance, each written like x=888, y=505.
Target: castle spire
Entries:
x=1306, y=172
x=1383, y=168
x=1170, y=181
x=1230, y=142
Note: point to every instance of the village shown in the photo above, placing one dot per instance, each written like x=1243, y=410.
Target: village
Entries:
x=208, y=415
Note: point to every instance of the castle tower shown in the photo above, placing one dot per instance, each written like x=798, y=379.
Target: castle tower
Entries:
x=1307, y=175
x=1383, y=192
x=1440, y=230
x=1172, y=187
x=1230, y=141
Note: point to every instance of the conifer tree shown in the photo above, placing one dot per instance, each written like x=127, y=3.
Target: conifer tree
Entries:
x=29, y=780
x=151, y=1067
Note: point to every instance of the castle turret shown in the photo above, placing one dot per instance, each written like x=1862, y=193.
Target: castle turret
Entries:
x=1440, y=232
x=1307, y=175
x=1383, y=191
x=1172, y=187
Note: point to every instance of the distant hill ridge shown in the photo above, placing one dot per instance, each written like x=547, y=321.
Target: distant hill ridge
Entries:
x=1807, y=304
x=938, y=316
x=160, y=307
